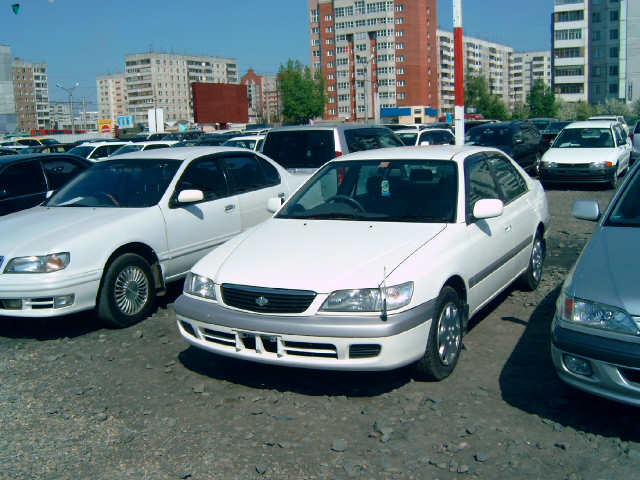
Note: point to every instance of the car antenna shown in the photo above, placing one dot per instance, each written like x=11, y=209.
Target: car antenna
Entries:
x=383, y=294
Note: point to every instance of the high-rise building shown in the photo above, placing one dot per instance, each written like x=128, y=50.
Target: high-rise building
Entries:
x=374, y=54
x=8, y=118
x=493, y=60
x=594, y=42
x=31, y=91
x=264, y=97
x=529, y=67
x=163, y=80
x=111, y=96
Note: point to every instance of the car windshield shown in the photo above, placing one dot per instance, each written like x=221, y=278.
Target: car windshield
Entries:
x=49, y=141
x=240, y=143
x=118, y=183
x=626, y=210
x=556, y=126
x=488, y=136
x=408, y=138
x=584, y=138
x=82, y=151
x=136, y=147
x=378, y=190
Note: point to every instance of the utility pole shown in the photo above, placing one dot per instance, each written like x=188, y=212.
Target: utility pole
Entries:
x=458, y=65
x=70, y=92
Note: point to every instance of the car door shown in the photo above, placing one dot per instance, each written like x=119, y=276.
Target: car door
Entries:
x=255, y=180
x=491, y=239
x=623, y=147
x=22, y=185
x=195, y=229
x=518, y=209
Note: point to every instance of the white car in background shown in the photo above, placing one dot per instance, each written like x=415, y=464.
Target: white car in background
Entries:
x=426, y=136
x=252, y=142
x=593, y=151
x=377, y=261
x=113, y=237
x=143, y=146
x=95, y=151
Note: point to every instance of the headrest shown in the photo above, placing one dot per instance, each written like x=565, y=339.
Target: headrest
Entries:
x=421, y=175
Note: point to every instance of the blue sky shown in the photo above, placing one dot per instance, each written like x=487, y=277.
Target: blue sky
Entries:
x=80, y=39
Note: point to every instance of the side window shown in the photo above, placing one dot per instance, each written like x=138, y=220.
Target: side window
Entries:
x=246, y=173
x=270, y=172
x=517, y=135
x=25, y=178
x=510, y=181
x=388, y=140
x=481, y=183
x=99, y=152
x=59, y=171
x=206, y=175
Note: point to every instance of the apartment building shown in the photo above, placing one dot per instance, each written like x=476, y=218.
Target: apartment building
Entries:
x=493, y=60
x=264, y=97
x=111, y=96
x=374, y=55
x=529, y=67
x=163, y=80
x=8, y=118
x=594, y=45
x=31, y=93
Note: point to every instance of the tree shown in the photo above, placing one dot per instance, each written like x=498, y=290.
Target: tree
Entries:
x=542, y=101
x=519, y=111
x=583, y=110
x=302, y=94
x=478, y=95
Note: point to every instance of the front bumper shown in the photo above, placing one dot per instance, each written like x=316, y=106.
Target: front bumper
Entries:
x=36, y=294
x=577, y=173
x=317, y=341
x=615, y=364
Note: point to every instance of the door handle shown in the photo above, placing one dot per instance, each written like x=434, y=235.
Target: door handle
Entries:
x=230, y=208
x=507, y=228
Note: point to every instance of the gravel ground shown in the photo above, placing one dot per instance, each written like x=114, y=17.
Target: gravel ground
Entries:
x=78, y=401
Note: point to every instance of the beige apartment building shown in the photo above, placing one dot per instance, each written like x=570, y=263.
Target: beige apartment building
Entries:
x=31, y=93
x=111, y=96
x=528, y=67
x=163, y=81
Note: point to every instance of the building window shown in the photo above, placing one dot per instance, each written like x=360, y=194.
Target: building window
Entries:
x=614, y=15
x=613, y=52
x=613, y=70
x=359, y=7
x=570, y=34
x=595, y=17
x=614, y=34
x=328, y=18
x=569, y=16
x=613, y=88
x=400, y=71
x=596, y=71
x=400, y=46
x=595, y=35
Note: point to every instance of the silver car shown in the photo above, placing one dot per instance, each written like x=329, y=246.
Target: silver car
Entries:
x=595, y=338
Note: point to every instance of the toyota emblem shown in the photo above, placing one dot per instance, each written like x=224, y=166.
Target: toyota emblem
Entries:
x=262, y=301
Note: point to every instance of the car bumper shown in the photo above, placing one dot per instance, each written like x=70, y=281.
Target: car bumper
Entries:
x=614, y=364
x=358, y=343
x=48, y=295
x=576, y=173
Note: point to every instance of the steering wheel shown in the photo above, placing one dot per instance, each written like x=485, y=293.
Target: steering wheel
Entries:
x=110, y=197
x=352, y=201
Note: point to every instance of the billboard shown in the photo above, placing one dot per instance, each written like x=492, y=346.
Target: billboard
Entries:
x=220, y=103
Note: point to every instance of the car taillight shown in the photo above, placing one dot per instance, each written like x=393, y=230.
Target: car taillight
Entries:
x=338, y=154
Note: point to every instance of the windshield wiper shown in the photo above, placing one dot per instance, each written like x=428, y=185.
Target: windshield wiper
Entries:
x=415, y=218
x=330, y=216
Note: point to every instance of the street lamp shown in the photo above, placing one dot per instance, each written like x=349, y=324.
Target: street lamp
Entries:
x=70, y=92
x=365, y=61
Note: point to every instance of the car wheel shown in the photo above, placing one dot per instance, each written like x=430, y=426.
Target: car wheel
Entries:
x=445, y=338
x=530, y=279
x=613, y=184
x=127, y=293
x=535, y=170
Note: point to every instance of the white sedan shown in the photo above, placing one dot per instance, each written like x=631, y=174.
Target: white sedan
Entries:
x=377, y=261
x=594, y=151
x=116, y=234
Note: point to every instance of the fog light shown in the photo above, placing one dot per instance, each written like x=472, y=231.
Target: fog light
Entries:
x=64, y=301
x=576, y=365
x=12, y=304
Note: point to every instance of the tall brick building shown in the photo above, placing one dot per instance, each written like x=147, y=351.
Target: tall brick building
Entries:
x=375, y=55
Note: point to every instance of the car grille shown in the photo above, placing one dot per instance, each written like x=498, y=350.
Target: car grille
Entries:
x=267, y=300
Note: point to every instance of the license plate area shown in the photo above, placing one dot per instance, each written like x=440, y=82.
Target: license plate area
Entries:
x=259, y=343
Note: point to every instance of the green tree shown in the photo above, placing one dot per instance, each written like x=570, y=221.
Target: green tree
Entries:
x=542, y=101
x=583, y=110
x=478, y=95
x=613, y=106
x=302, y=94
x=519, y=111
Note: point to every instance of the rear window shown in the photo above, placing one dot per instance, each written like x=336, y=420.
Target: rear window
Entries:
x=300, y=148
x=370, y=139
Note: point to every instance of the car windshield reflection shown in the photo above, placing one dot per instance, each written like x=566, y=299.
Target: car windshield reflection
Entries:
x=384, y=191
x=584, y=138
x=118, y=183
x=626, y=211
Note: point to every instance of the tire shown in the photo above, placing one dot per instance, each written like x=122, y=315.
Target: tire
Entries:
x=445, y=339
x=613, y=184
x=535, y=170
x=128, y=292
x=530, y=279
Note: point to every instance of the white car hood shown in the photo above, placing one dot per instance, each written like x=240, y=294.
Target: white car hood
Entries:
x=42, y=230
x=580, y=155
x=320, y=255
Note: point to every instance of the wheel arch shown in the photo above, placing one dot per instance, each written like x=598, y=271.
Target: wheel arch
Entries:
x=457, y=283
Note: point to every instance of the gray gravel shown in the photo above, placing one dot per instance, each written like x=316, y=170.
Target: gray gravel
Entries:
x=81, y=402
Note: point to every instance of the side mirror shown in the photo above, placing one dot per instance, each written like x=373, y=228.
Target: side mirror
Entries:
x=426, y=142
x=274, y=204
x=190, y=196
x=586, y=210
x=488, y=208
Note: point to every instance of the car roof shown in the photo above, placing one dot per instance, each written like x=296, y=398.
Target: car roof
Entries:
x=182, y=153
x=6, y=159
x=455, y=153
x=592, y=124
x=246, y=137
x=99, y=144
x=327, y=126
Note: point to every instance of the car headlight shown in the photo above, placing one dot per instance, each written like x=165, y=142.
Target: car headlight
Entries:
x=549, y=164
x=368, y=299
x=595, y=315
x=39, y=264
x=200, y=286
x=601, y=164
